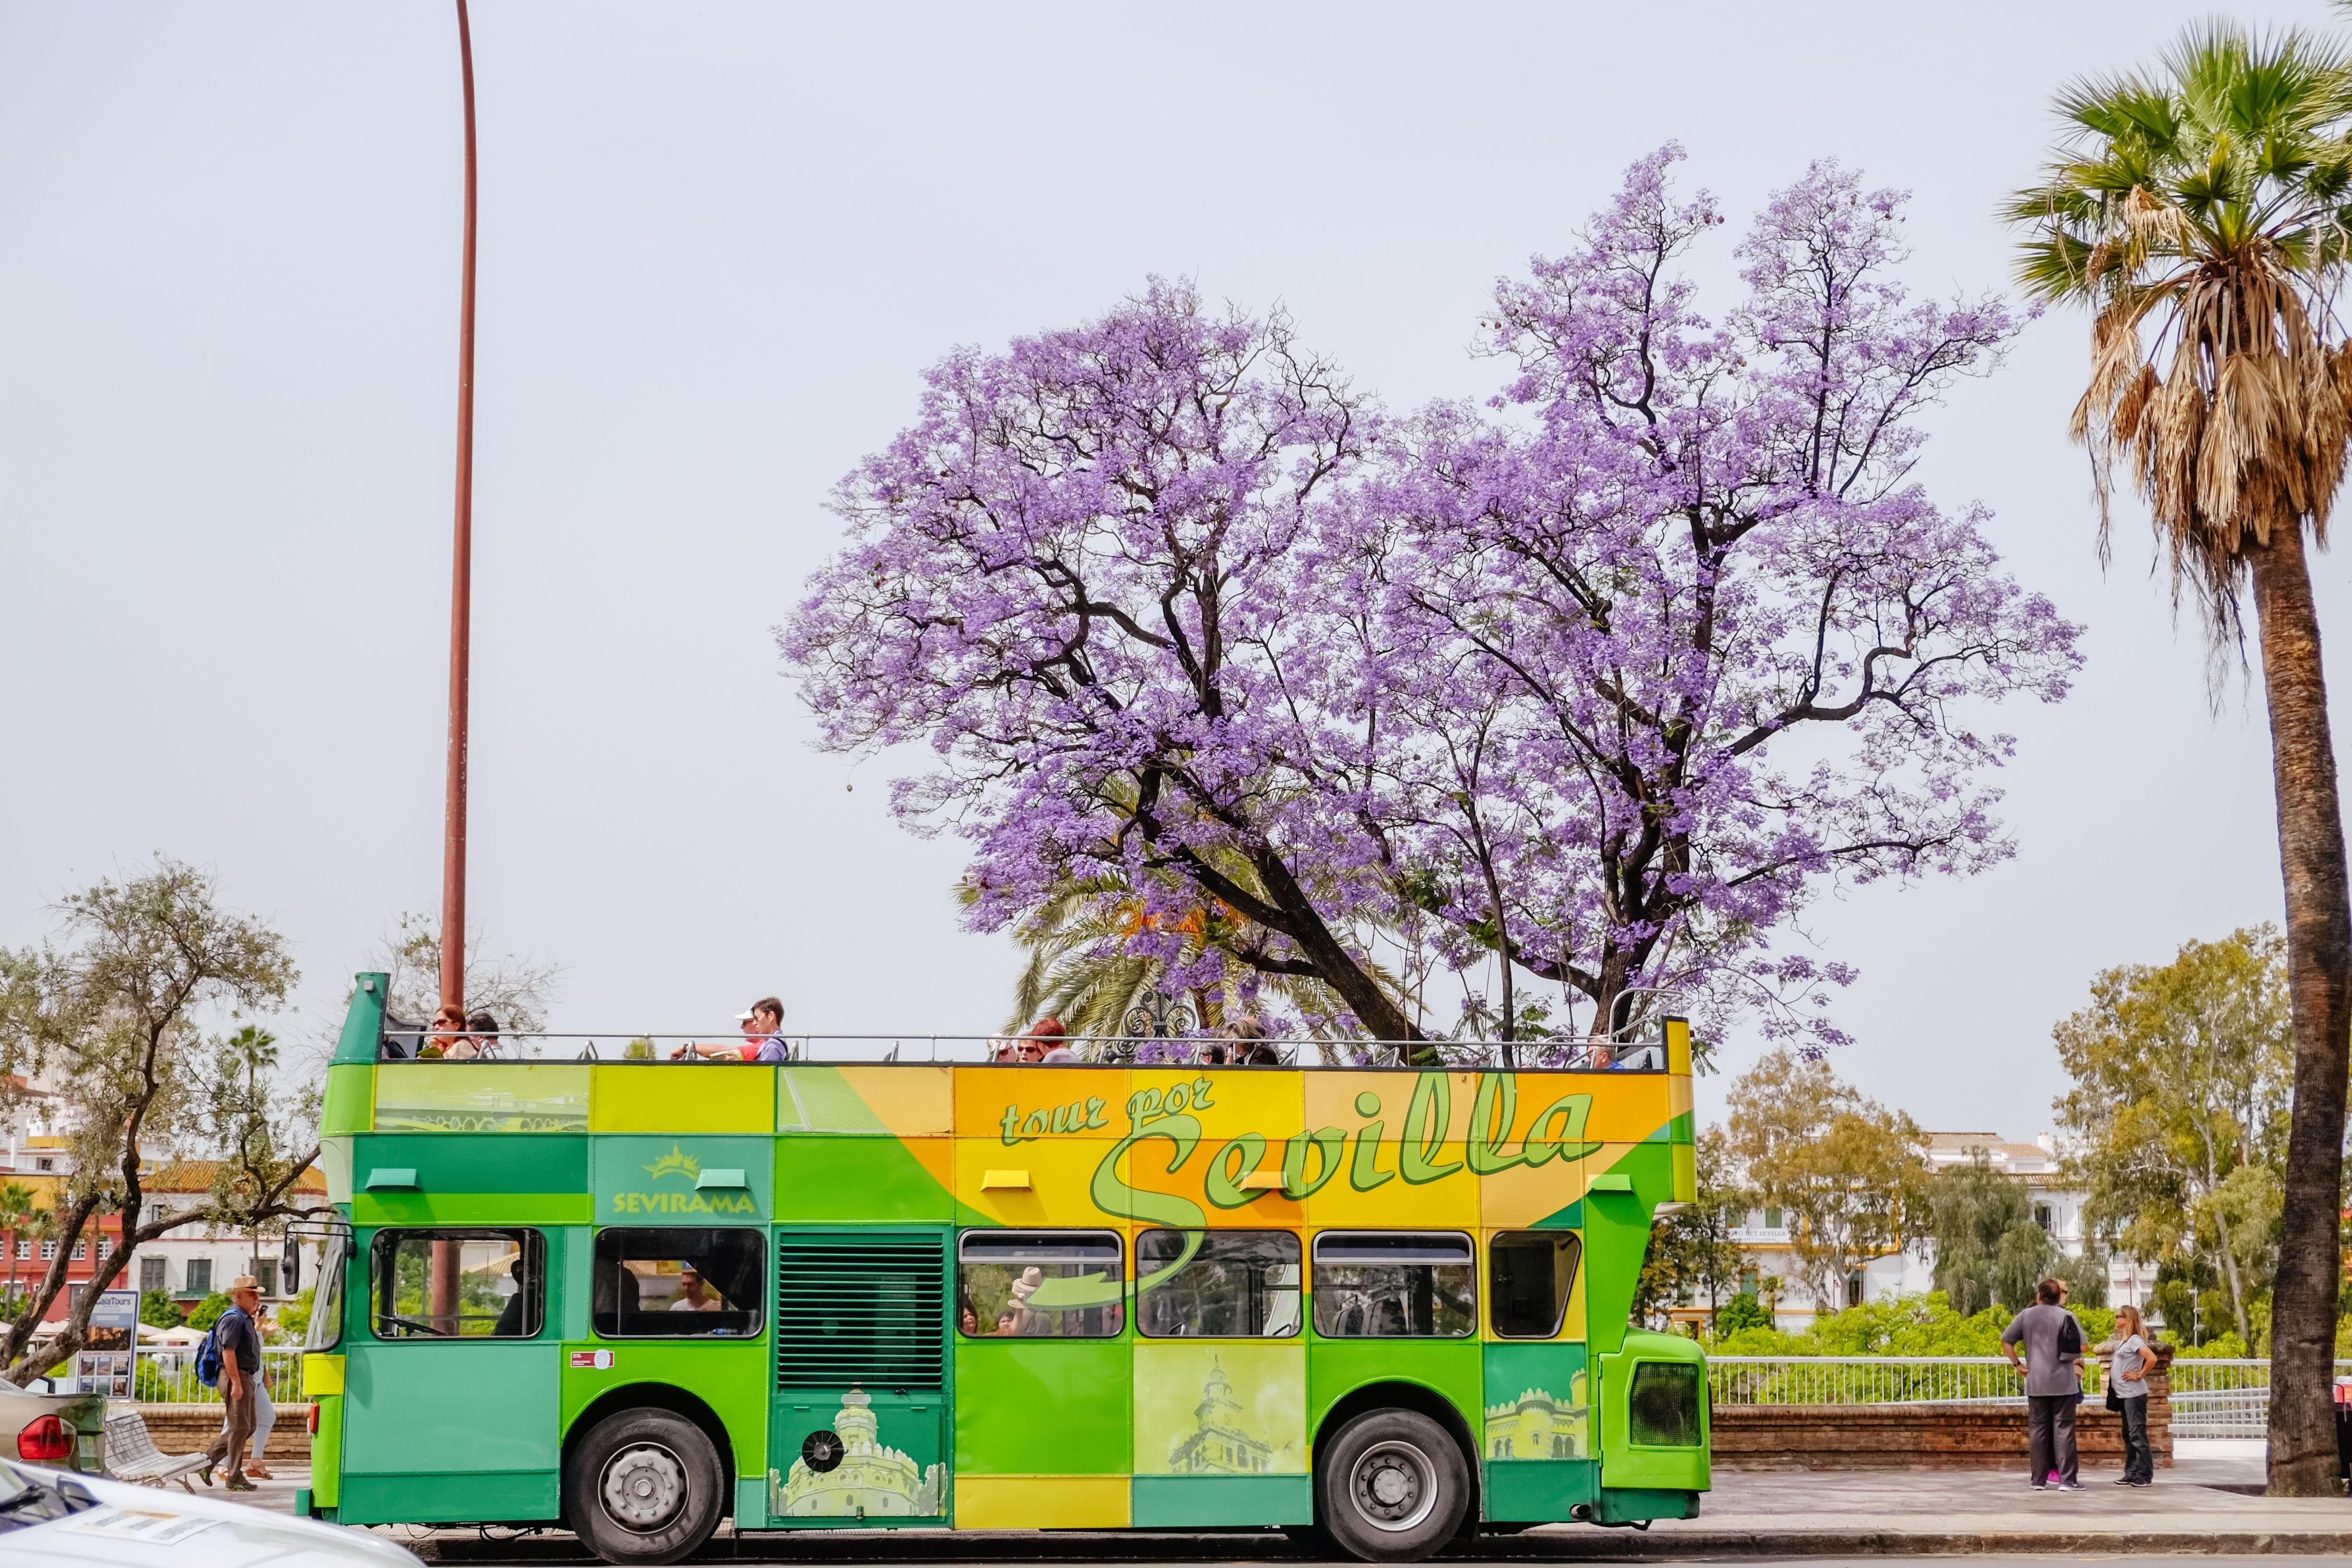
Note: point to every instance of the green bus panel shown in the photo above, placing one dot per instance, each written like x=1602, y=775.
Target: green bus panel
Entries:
x=1195, y=1503
x=447, y=1432
x=1043, y=1406
x=1538, y=1401
x=1335, y=1368
x=458, y=1496
x=825, y=1180
x=684, y=1178
x=555, y=1163
x=1616, y=1226
x=893, y=1471
x=1536, y=1491
x=732, y=1376
x=349, y=1105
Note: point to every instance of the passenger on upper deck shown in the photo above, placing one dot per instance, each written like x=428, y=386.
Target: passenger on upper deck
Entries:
x=761, y=1041
x=1045, y=1036
x=448, y=1033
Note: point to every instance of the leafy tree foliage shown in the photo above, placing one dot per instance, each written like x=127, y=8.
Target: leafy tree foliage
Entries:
x=206, y=1312
x=1692, y=1257
x=157, y=1310
x=2179, y=1110
x=1608, y=684
x=1988, y=1249
x=110, y=1021
x=1851, y=1173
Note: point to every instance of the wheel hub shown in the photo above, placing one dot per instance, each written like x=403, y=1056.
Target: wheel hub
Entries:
x=1394, y=1486
x=643, y=1487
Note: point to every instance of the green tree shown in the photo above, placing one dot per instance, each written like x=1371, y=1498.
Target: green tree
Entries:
x=2179, y=1110
x=110, y=1021
x=206, y=1312
x=1851, y=1173
x=17, y=1204
x=158, y=1310
x=1988, y=1249
x=2201, y=212
x=1692, y=1257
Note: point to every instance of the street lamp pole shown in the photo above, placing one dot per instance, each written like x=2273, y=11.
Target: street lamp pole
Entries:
x=461, y=586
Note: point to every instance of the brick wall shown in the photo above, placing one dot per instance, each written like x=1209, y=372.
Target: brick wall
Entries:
x=187, y=1429
x=1918, y=1437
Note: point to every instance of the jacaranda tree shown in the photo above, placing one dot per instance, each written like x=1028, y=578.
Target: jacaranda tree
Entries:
x=1609, y=678
x=1691, y=642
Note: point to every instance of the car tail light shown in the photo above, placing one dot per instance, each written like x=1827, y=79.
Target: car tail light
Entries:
x=314, y=1420
x=45, y=1440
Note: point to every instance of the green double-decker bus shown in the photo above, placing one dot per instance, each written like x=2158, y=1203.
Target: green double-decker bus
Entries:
x=634, y=1298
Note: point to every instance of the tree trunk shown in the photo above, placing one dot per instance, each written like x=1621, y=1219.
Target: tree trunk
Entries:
x=2320, y=986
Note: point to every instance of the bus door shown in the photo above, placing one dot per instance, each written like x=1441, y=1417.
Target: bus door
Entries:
x=450, y=1390
x=859, y=1430
x=1540, y=1459
x=1045, y=1380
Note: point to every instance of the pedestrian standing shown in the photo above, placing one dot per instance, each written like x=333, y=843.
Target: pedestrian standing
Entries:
x=2054, y=1383
x=265, y=1412
x=2128, y=1360
x=239, y=1345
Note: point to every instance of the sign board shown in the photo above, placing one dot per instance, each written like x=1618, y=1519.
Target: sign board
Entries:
x=107, y=1357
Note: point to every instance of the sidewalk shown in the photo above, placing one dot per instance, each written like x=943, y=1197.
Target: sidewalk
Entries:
x=2209, y=1503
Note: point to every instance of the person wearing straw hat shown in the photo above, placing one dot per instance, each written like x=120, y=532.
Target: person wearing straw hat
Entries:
x=240, y=1353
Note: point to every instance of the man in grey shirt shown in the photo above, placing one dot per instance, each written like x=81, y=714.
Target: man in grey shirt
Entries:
x=2053, y=1345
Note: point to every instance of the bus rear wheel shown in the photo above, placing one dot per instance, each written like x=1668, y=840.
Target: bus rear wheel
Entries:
x=1393, y=1487
x=643, y=1487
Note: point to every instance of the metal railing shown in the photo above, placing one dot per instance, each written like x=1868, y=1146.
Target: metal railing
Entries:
x=1172, y=1051
x=167, y=1375
x=1863, y=1379
x=2210, y=1399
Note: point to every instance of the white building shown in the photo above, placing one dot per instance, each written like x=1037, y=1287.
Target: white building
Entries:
x=2056, y=1207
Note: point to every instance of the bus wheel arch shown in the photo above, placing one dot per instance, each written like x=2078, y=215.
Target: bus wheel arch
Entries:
x=649, y=1475
x=1422, y=1419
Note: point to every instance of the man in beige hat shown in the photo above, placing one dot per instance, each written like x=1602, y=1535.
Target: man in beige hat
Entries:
x=239, y=1343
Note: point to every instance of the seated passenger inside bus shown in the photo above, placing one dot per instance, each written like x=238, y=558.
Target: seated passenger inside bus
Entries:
x=665, y=1281
x=1063, y=1284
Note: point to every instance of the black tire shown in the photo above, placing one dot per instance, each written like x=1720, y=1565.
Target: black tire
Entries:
x=643, y=1487
x=1391, y=1486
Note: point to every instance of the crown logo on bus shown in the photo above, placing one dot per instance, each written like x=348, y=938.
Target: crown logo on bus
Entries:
x=677, y=1162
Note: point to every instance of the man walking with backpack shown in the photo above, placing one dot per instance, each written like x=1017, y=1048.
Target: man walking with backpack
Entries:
x=2053, y=1383
x=238, y=1345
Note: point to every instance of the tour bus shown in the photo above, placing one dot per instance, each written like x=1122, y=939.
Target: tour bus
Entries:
x=1377, y=1306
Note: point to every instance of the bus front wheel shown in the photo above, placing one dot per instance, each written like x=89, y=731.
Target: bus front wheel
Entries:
x=643, y=1487
x=1393, y=1487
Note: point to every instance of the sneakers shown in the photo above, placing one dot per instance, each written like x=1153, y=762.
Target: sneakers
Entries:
x=239, y=1484
x=2069, y=1486
x=206, y=1473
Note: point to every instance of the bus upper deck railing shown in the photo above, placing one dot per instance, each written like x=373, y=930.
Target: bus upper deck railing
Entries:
x=405, y=1041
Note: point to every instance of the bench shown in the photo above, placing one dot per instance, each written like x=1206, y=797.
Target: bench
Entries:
x=131, y=1455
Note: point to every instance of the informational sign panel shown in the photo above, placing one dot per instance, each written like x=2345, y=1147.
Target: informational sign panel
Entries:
x=107, y=1356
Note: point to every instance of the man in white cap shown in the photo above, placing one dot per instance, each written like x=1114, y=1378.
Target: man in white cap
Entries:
x=239, y=1343
x=760, y=1022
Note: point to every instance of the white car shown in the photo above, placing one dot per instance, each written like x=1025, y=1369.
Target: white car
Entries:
x=53, y=1517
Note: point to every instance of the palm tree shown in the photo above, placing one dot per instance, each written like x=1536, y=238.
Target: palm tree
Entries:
x=2201, y=211
x=16, y=1203
x=1082, y=969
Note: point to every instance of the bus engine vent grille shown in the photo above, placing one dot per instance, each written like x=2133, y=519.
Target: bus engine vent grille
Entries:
x=869, y=1312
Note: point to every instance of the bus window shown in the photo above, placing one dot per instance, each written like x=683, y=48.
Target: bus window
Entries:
x=1662, y=1411
x=1055, y=1284
x=1216, y=1284
x=1529, y=1276
x=677, y=1281
x=1378, y=1284
x=459, y=1284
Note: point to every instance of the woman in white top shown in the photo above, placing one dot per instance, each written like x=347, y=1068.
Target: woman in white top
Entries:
x=2128, y=1359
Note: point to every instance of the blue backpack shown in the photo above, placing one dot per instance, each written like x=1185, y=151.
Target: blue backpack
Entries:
x=208, y=1354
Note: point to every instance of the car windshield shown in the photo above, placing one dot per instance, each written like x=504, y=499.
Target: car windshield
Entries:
x=28, y=1497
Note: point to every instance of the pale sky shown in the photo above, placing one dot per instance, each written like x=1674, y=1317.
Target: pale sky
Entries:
x=719, y=242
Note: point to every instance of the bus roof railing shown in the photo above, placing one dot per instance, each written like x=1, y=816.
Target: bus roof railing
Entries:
x=402, y=1041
